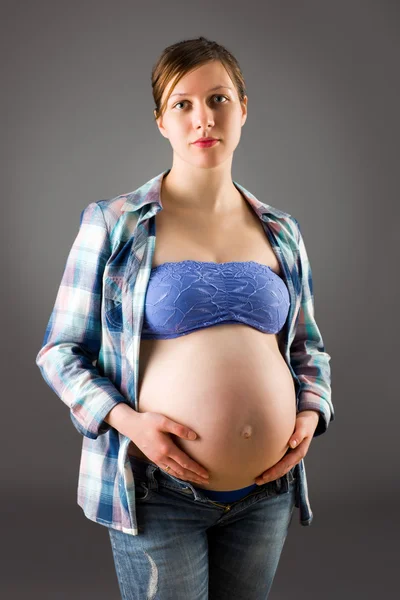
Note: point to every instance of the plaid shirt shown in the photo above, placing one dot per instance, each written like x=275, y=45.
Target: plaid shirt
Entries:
x=90, y=351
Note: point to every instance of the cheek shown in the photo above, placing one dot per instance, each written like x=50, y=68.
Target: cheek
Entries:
x=181, y=133
x=178, y=137
x=233, y=122
x=234, y=131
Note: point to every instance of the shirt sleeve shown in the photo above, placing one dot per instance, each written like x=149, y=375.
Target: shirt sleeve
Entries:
x=72, y=339
x=308, y=357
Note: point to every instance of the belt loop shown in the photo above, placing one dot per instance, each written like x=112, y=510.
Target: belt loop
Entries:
x=152, y=482
x=282, y=485
x=289, y=477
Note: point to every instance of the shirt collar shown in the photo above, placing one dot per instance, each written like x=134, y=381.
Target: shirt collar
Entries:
x=149, y=193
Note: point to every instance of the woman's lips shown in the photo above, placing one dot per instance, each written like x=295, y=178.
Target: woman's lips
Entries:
x=207, y=144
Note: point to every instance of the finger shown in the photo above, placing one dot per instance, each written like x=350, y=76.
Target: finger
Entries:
x=185, y=476
x=291, y=458
x=185, y=468
x=297, y=438
x=303, y=431
x=187, y=464
x=271, y=476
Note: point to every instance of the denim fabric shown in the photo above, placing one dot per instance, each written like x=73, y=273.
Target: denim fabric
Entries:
x=193, y=548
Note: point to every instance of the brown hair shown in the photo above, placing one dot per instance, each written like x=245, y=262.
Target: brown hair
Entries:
x=182, y=57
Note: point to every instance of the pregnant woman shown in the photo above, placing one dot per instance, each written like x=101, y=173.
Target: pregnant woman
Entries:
x=184, y=342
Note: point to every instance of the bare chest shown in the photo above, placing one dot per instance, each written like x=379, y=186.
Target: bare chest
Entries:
x=186, y=237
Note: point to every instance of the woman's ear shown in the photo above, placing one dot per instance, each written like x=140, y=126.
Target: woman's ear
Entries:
x=161, y=127
x=244, y=110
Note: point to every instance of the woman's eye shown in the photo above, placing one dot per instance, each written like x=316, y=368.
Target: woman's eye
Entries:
x=216, y=96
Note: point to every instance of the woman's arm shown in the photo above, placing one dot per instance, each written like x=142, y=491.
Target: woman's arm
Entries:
x=72, y=339
x=309, y=360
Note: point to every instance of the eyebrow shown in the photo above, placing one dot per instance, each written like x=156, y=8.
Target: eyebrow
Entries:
x=217, y=87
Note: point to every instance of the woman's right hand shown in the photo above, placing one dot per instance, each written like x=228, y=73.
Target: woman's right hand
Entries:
x=152, y=437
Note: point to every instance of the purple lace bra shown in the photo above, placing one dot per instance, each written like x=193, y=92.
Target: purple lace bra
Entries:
x=188, y=295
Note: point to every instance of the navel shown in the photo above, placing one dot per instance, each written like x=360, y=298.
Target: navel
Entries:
x=247, y=431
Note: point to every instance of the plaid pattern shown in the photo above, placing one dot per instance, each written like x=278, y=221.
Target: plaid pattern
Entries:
x=90, y=351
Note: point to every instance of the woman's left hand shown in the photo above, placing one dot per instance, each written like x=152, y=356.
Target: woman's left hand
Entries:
x=299, y=442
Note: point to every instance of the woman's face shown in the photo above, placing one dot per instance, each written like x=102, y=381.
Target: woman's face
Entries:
x=203, y=111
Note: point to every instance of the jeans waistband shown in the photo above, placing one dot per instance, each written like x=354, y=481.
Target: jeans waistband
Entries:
x=140, y=468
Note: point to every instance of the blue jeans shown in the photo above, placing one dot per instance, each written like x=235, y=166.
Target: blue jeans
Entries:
x=190, y=547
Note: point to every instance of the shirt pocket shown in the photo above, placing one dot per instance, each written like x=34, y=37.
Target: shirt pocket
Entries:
x=112, y=298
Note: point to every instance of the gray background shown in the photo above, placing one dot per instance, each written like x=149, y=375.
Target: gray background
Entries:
x=320, y=142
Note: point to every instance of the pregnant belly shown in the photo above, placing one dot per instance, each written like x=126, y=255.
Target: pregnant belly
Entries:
x=231, y=385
